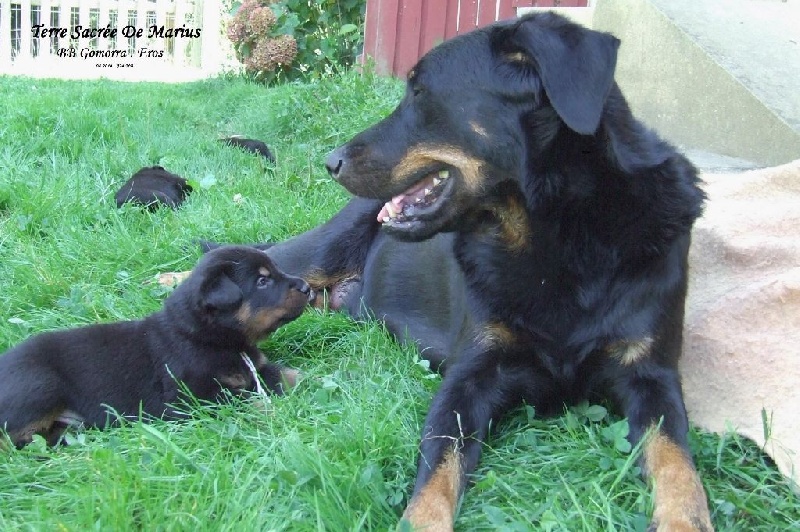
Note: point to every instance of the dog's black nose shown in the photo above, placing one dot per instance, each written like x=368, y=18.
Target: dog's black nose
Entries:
x=334, y=162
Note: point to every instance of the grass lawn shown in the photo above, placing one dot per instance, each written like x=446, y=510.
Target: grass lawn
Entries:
x=339, y=452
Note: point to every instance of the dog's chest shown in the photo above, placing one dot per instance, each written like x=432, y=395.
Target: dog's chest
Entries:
x=563, y=312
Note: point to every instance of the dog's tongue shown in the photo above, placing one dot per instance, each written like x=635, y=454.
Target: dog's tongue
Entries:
x=395, y=205
x=392, y=207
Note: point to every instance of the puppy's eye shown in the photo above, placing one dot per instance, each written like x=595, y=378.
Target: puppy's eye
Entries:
x=263, y=281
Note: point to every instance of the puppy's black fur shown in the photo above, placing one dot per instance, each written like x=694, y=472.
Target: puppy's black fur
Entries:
x=251, y=145
x=153, y=187
x=530, y=236
x=234, y=297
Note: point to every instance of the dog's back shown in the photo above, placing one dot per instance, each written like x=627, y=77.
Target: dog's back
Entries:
x=154, y=186
x=79, y=371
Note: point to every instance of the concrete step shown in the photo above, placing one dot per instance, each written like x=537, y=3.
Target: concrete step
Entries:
x=717, y=77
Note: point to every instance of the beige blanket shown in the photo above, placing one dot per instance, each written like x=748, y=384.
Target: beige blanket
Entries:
x=741, y=362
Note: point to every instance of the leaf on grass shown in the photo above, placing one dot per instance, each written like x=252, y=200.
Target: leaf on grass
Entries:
x=596, y=413
x=206, y=182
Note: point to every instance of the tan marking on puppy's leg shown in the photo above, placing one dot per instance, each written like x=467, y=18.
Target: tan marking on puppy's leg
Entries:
x=434, y=508
x=234, y=381
x=630, y=352
x=42, y=426
x=680, y=501
x=420, y=157
x=290, y=377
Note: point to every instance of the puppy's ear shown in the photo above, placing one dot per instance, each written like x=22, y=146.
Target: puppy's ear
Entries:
x=576, y=66
x=218, y=292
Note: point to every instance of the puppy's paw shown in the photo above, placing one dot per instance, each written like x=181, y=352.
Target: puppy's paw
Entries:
x=290, y=377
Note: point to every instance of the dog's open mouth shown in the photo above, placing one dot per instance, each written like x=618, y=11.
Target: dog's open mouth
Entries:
x=421, y=199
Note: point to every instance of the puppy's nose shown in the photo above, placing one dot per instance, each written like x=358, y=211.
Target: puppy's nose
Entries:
x=304, y=288
x=334, y=162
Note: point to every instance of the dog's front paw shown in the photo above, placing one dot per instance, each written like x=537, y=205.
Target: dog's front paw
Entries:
x=428, y=514
x=682, y=523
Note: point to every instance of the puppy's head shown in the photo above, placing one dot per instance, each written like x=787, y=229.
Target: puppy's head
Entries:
x=239, y=290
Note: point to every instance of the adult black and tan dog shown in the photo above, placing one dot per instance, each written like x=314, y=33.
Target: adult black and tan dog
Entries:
x=200, y=339
x=518, y=224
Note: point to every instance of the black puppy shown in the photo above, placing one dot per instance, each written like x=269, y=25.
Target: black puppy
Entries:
x=252, y=145
x=152, y=187
x=204, y=337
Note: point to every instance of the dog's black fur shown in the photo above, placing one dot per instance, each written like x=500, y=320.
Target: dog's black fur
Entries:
x=234, y=297
x=252, y=145
x=152, y=187
x=548, y=264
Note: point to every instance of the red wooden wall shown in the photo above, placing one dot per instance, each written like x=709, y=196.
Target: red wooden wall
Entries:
x=398, y=32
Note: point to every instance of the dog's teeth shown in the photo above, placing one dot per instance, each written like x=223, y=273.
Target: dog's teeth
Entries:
x=436, y=181
x=444, y=174
x=392, y=212
x=386, y=219
x=427, y=191
x=418, y=200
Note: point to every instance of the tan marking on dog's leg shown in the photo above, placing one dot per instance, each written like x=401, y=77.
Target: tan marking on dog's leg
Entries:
x=631, y=352
x=495, y=334
x=331, y=289
x=680, y=501
x=434, y=508
x=172, y=278
x=423, y=156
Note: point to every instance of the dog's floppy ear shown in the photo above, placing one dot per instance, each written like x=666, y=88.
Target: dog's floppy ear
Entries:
x=576, y=66
x=218, y=291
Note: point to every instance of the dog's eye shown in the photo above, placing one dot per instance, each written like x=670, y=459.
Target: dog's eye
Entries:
x=263, y=281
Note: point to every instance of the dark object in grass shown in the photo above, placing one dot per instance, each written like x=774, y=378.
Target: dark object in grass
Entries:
x=152, y=187
x=203, y=340
x=251, y=145
x=530, y=236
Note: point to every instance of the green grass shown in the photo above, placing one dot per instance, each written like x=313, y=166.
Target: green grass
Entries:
x=338, y=453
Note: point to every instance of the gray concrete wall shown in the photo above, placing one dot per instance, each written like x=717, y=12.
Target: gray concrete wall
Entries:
x=681, y=66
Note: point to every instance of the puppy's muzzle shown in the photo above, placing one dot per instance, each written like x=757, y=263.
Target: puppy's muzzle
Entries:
x=303, y=287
